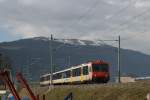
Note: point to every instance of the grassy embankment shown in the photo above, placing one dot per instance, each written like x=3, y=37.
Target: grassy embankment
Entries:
x=130, y=91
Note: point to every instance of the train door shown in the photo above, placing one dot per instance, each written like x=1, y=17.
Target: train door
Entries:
x=81, y=76
x=71, y=76
x=85, y=73
x=90, y=71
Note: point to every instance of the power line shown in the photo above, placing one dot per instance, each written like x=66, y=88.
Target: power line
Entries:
x=113, y=15
x=129, y=21
x=89, y=10
x=84, y=14
x=117, y=13
x=133, y=36
x=120, y=11
x=93, y=7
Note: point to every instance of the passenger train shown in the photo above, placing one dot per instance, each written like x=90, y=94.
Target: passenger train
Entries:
x=90, y=72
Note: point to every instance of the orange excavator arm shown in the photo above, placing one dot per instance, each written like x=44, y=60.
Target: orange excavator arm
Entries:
x=4, y=76
x=24, y=84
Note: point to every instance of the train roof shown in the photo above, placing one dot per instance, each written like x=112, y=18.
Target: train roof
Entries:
x=98, y=61
x=45, y=75
x=73, y=67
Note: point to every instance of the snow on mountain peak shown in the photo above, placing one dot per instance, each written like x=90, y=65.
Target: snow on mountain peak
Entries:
x=41, y=38
x=80, y=42
x=73, y=41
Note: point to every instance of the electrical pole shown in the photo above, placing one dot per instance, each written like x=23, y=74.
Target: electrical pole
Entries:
x=51, y=50
x=119, y=59
x=68, y=61
x=119, y=67
x=1, y=61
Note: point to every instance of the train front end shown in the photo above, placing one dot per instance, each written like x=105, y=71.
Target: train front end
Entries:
x=100, y=72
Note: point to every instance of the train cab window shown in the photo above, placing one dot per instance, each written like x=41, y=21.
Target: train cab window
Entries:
x=100, y=67
x=85, y=70
x=77, y=72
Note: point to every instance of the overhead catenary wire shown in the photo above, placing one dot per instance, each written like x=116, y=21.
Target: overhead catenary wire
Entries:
x=120, y=11
x=128, y=23
x=93, y=6
x=134, y=17
x=117, y=13
x=80, y=18
x=113, y=15
x=135, y=35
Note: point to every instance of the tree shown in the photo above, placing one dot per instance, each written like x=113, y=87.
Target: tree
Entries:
x=5, y=62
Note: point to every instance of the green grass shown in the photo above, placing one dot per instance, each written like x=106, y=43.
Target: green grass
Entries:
x=131, y=91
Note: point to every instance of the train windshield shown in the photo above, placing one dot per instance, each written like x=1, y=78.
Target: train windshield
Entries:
x=100, y=67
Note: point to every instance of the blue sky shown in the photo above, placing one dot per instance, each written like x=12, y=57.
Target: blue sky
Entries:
x=5, y=36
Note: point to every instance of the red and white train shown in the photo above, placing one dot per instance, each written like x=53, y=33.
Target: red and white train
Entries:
x=91, y=72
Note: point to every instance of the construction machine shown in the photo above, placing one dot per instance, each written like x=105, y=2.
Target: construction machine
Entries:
x=5, y=77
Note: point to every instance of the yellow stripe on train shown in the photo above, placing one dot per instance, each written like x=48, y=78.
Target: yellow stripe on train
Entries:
x=81, y=77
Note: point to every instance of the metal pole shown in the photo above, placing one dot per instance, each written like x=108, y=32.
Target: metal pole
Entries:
x=51, y=50
x=1, y=61
x=119, y=59
x=68, y=61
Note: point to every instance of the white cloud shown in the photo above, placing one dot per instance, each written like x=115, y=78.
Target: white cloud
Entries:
x=118, y=2
x=142, y=4
x=108, y=16
x=25, y=30
x=111, y=2
x=74, y=19
x=26, y=2
x=1, y=1
x=32, y=2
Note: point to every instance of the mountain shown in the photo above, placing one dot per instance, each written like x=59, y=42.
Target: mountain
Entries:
x=32, y=56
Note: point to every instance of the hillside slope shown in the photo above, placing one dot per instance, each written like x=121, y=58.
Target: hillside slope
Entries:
x=29, y=54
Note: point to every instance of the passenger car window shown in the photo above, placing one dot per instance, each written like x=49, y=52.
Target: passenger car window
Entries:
x=85, y=70
x=77, y=72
